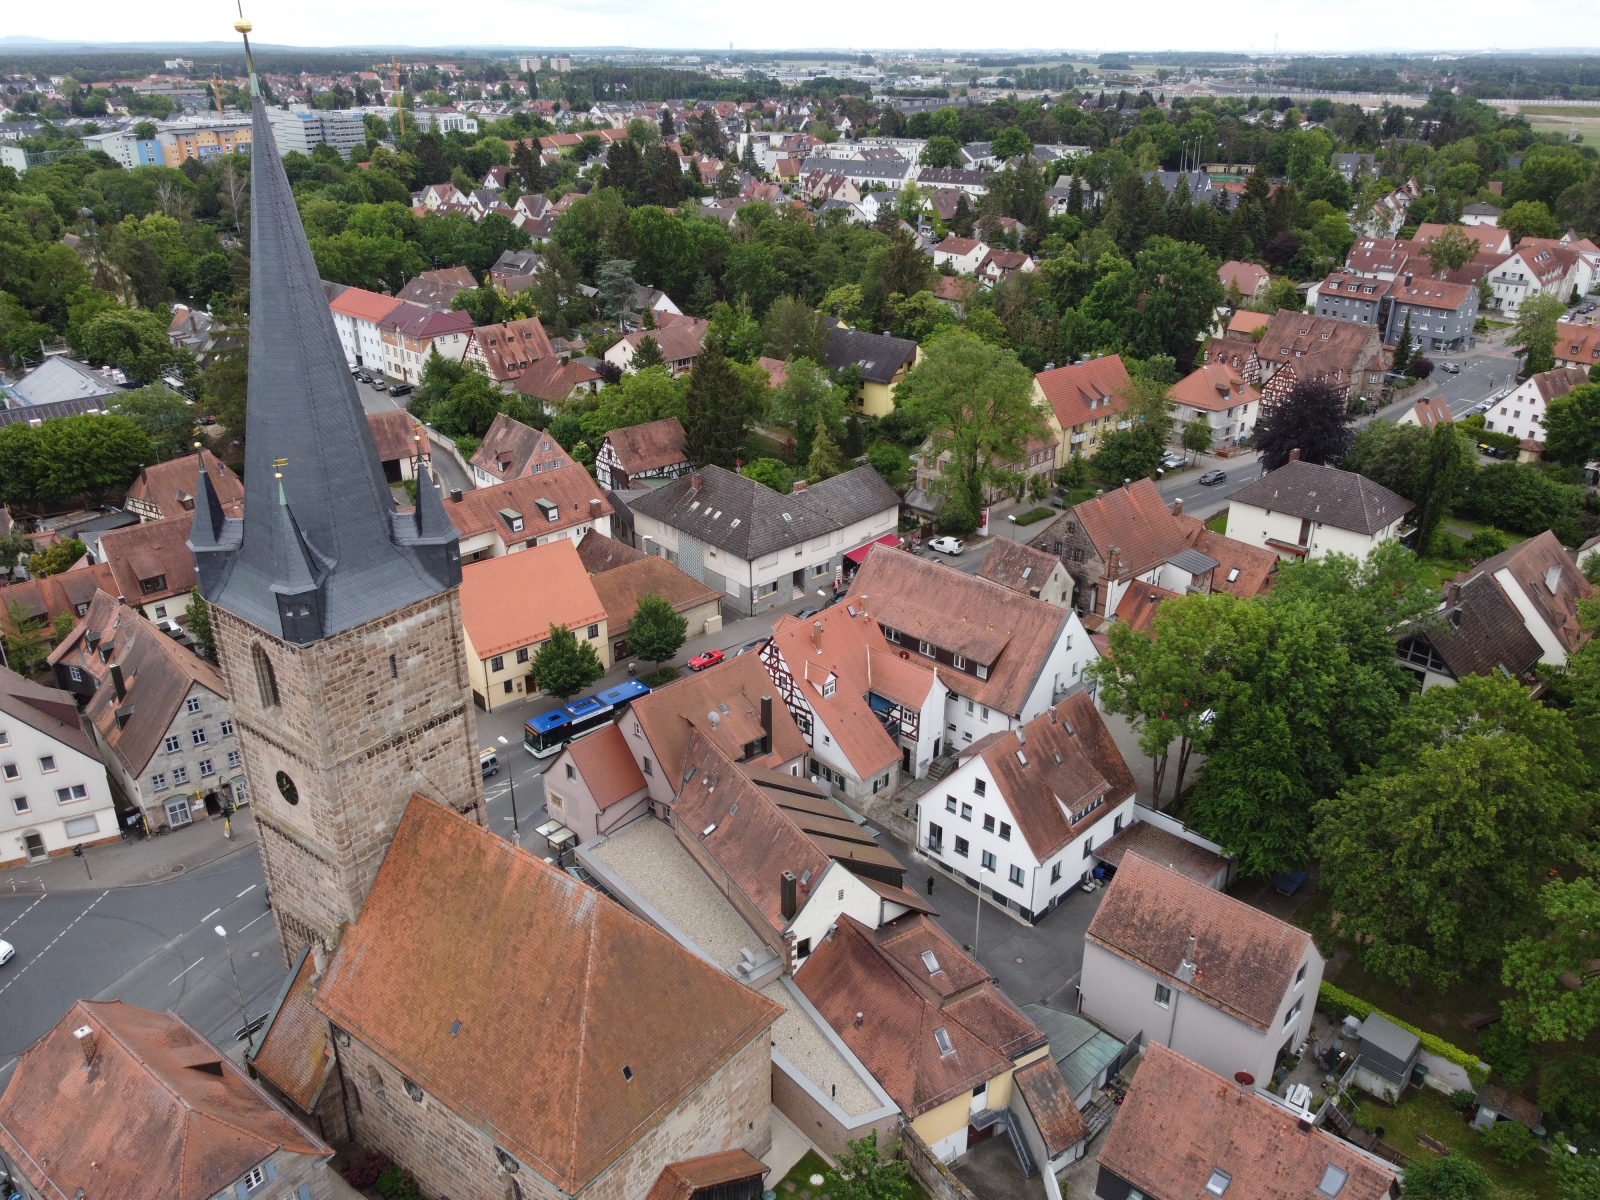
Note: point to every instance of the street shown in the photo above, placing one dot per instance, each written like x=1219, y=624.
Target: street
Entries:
x=150, y=945
x=377, y=400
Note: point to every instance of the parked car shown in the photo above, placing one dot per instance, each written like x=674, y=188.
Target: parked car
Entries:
x=1213, y=477
x=1450, y=368
x=749, y=646
x=808, y=611
x=379, y=385
x=6, y=951
x=400, y=389
x=363, y=376
x=947, y=545
x=1172, y=460
x=709, y=658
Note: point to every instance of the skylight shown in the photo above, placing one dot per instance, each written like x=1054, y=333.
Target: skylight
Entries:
x=941, y=1035
x=1332, y=1180
x=929, y=961
x=1219, y=1181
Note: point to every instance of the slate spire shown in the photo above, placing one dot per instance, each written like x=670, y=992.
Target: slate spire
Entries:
x=317, y=510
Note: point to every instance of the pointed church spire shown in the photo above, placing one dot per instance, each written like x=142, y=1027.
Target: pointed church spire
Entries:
x=306, y=424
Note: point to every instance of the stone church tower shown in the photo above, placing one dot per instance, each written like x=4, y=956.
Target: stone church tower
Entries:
x=337, y=620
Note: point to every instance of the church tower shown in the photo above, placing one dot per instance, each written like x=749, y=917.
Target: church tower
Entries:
x=337, y=620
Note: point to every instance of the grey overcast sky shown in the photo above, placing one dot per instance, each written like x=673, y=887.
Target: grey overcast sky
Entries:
x=1248, y=25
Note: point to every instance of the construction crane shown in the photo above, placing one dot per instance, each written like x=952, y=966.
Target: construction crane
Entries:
x=399, y=97
x=216, y=93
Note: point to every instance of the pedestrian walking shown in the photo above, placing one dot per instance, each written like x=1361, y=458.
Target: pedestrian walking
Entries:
x=930, y=885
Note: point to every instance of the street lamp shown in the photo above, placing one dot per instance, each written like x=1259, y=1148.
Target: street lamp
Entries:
x=511, y=778
x=244, y=1019
x=978, y=920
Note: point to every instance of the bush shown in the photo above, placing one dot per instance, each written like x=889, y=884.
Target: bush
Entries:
x=1338, y=1004
x=1525, y=500
x=1448, y=1177
x=396, y=1184
x=1509, y=1141
x=656, y=678
x=1486, y=543
x=1462, y=1100
x=1508, y=1050
x=1037, y=514
x=366, y=1172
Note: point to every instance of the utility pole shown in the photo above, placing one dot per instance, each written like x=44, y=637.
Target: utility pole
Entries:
x=79, y=852
x=244, y=1019
x=511, y=778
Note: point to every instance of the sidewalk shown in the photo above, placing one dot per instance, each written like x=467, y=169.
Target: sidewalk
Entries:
x=133, y=864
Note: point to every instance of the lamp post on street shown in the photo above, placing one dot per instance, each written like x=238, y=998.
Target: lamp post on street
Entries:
x=977, y=921
x=244, y=1018
x=511, y=778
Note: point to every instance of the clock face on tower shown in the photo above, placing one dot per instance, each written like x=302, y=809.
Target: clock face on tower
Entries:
x=286, y=789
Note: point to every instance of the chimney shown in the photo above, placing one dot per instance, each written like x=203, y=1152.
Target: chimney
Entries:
x=1294, y=455
x=697, y=481
x=455, y=495
x=799, y=485
x=1408, y=278
x=1452, y=592
x=789, y=903
x=859, y=1018
x=766, y=718
x=116, y=681
x=88, y=1043
x=1177, y=507
x=1113, y=562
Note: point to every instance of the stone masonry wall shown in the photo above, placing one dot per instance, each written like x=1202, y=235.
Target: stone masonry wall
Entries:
x=450, y=1156
x=363, y=720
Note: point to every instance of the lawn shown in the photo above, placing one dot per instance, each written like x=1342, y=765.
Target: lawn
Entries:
x=1219, y=523
x=1427, y=1111
x=797, y=1185
x=1438, y=569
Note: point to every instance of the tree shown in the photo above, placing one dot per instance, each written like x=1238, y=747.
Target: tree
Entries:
x=166, y=418
x=1449, y=460
x=61, y=628
x=1535, y=332
x=657, y=630
x=806, y=398
x=133, y=340
x=1447, y=1177
x=56, y=559
x=1161, y=302
x=1579, y=1175
x=1572, y=425
x=794, y=329
x=224, y=382
x=1421, y=366
x=1197, y=435
x=617, y=288
x=941, y=151
x=1126, y=454
x=1010, y=143
x=770, y=472
x=1526, y=500
x=23, y=639
x=1313, y=418
x=825, y=461
x=718, y=408
x=1450, y=251
x=636, y=399
x=1433, y=855
x=564, y=666
x=865, y=1173
x=1529, y=218
x=977, y=402
x=1539, y=968
x=15, y=547
x=1401, y=359
x=646, y=354
x=470, y=407
x=890, y=461
x=88, y=455
x=199, y=618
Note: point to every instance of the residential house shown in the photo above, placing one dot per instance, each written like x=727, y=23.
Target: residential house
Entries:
x=508, y=605
x=1172, y=962
x=410, y=334
x=973, y=183
x=964, y=255
x=1243, y=323
x=871, y=718
x=1251, y=279
x=57, y=793
x=511, y=450
x=1300, y=348
x=1028, y=571
x=515, y=270
x=436, y=289
x=167, y=489
x=593, y=786
x=757, y=546
x=558, y=504
x=601, y=554
x=1428, y=412
x=121, y=1101
x=432, y=1075
x=504, y=351
x=928, y=1022
x=632, y=456
x=1185, y=1131
x=436, y=195
x=1084, y=401
x=158, y=713
x=401, y=441
x=152, y=567
x=1543, y=270
x=1377, y=258
x=69, y=593
x=1522, y=413
x=1002, y=657
x=551, y=381
x=1442, y=314
x=654, y=300
x=621, y=588
x=999, y=265
x=1480, y=214
x=1577, y=346
x=1200, y=185
x=1027, y=806
x=1585, y=271
x=1362, y=299
x=1219, y=395
x=1355, y=167
x=358, y=315
x=1490, y=239
x=1507, y=614
x=1306, y=511
x=679, y=339
x=882, y=361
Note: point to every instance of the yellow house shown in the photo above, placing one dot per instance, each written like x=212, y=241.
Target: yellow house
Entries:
x=508, y=605
x=882, y=360
x=202, y=142
x=926, y=1021
x=1084, y=402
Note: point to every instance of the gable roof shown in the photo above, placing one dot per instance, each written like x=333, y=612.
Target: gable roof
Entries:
x=508, y=348
x=879, y=356
x=1316, y=492
x=1072, y=770
x=600, y=554
x=680, y=338
x=293, y=1051
x=1249, y=276
x=161, y=1115
x=681, y=1180
x=1214, y=387
x=436, y=289
x=1132, y=518
x=554, y=380
x=1247, y=959
x=509, y=448
x=854, y=971
x=1319, y=347
x=607, y=766
x=621, y=588
x=1017, y=566
x=733, y=689
x=570, y=488
x=1137, y=608
x=1423, y=292
x=1547, y=578
x=1431, y=411
x=541, y=967
x=167, y=489
x=46, y=709
x=152, y=550
x=1553, y=384
x=1054, y=1111
x=398, y=435
x=1244, y=322
x=512, y=600
x=364, y=305
x=1242, y=570
x=1072, y=388
x=749, y=519
x=650, y=446
x=46, y=599
x=1180, y=1122
x=1577, y=343
x=989, y=624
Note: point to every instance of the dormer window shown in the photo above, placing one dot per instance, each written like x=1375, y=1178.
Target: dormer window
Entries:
x=829, y=685
x=156, y=583
x=512, y=518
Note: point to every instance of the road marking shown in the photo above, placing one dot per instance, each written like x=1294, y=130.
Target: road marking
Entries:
x=209, y=915
x=262, y=917
x=187, y=969
x=23, y=913
x=247, y=891
x=53, y=940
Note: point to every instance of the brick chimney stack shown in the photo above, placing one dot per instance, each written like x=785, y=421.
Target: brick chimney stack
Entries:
x=1294, y=455
x=88, y=1043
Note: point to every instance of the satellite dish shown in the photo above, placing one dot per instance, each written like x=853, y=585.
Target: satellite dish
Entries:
x=1243, y=1078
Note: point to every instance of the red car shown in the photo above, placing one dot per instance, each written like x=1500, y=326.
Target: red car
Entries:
x=709, y=659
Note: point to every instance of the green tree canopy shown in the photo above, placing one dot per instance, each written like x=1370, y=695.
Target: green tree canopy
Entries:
x=804, y=399
x=1572, y=425
x=199, y=619
x=564, y=665
x=1529, y=218
x=166, y=418
x=770, y=472
x=651, y=394
x=657, y=630
x=795, y=330
x=1535, y=332
x=1540, y=968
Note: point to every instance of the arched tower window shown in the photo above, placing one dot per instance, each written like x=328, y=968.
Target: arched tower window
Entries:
x=266, y=680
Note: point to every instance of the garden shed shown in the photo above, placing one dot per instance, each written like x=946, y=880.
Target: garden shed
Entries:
x=1387, y=1056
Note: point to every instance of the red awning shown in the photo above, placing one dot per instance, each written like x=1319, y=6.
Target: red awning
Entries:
x=859, y=554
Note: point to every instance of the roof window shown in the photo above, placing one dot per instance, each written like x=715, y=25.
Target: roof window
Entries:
x=941, y=1035
x=1219, y=1181
x=929, y=961
x=1332, y=1180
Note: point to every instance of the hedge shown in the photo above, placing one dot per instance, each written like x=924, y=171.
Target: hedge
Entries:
x=1338, y=1004
x=1037, y=514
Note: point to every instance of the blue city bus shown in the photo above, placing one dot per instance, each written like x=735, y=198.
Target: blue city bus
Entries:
x=545, y=734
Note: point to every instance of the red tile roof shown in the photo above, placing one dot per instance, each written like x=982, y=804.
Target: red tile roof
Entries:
x=1244, y=321
x=1137, y=608
x=607, y=766
x=506, y=349
x=510, y=449
x=1135, y=519
x=364, y=305
x=1248, y=275
x=621, y=589
x=553, y=380
x=1247, y=958
x=161, y=1114
x=47, y=598
x=294, y=1052
x=167, y=489
x=1154, y=843
x=155, y=553
x=1054, y=1111
x=681, y=1180
x=460, y=987
x=1180, y=1122
x=1214, y=387
x=395, y=433
x=668, y=714
x=1071, y=389
x=1242, y=570
x=650, y=446
x=511, y=601
x=1577, y=344
x=573, y=491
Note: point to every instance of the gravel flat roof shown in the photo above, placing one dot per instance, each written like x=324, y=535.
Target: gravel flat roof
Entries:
x=797, y=1038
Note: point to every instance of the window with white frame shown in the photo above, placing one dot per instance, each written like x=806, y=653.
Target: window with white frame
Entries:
x=192, y=704
x=67, y=795
x=158, y=781
x=173, y=744
x=1163, y=995
x=20, y=804
x=180, y=775
x=207, y=767
x=47, y=763
x=198, y=736
x=227, y=728
x=1293, y=1012
x=988, y=861
x=234, y=760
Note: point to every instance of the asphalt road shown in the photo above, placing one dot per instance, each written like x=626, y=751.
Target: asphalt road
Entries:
x=152, y=946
